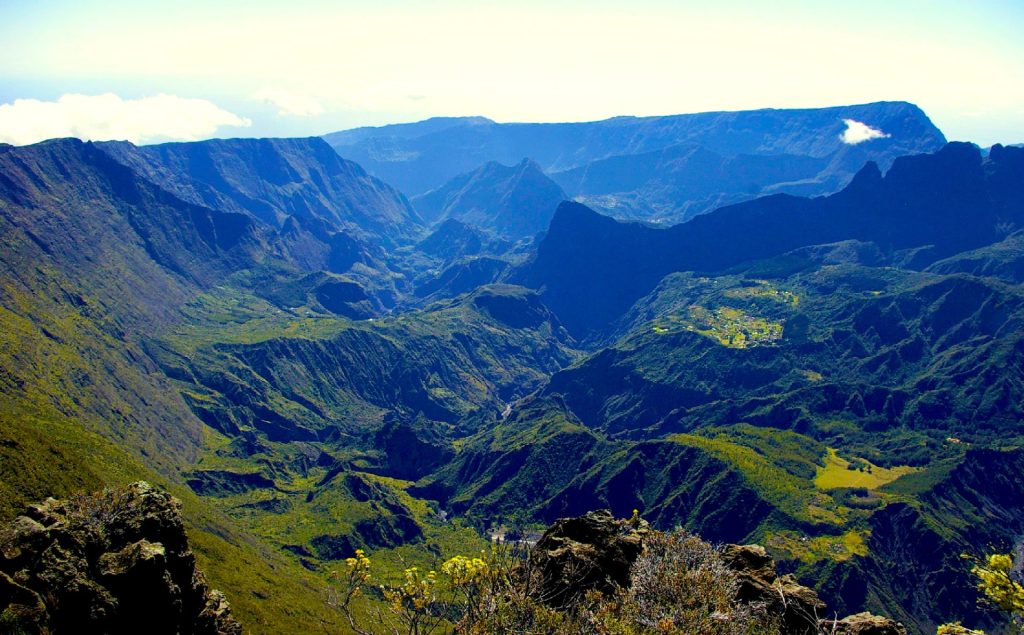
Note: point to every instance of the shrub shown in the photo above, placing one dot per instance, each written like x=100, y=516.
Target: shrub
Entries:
x=680, y=585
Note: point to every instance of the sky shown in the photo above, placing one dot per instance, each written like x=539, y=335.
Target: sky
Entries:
x=154, y=71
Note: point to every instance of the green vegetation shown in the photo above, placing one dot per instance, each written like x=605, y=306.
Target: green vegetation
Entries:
x=1001, y=585
x=764, y=289
x=841, y=473
x=811, y=550
x=302, y=414
x=1000, y=581
x=784, y=489
x=726, y=325
x=679, y=585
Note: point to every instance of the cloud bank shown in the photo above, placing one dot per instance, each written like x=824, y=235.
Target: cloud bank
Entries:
x=109, y=117
x=857, y=132
x=289, y=103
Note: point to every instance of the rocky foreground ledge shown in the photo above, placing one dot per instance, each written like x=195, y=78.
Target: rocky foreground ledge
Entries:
x=597, y=552
x=115, y=562
x=119, y=562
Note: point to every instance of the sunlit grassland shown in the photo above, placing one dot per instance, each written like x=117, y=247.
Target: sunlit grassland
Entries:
x=792, y=494
x=838, y=472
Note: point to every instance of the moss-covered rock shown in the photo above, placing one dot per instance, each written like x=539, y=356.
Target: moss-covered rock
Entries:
x=114, y=562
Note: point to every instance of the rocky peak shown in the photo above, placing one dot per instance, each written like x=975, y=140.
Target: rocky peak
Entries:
x=113, y=562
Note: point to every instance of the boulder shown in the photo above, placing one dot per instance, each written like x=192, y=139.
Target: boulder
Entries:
x=799, y=607
x=113, y=562
x=864, y=624
x=594, y=552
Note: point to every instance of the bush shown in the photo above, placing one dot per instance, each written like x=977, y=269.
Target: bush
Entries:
x=680, y=586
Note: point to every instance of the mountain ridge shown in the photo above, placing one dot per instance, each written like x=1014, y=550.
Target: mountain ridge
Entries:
x=420, y=157
x=830, y=376
x=967, y=201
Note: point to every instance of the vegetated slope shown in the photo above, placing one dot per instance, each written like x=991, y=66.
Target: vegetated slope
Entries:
x=95, y=258
x=639, y=167
x=147, y=332
x=274, y=179
x=888, y=348
x=302, y=376
x=893, y=549
x=819, y=400
x=317, y=421
x=916, y=566
x=513, y=202
x=462, y=276
x=927, y=207
x=453, y=239
x=93, y=254
x=323, y=212
x=189, y=341
x=1003, y=260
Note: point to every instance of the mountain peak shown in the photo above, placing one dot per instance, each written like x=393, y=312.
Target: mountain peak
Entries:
x=868, y=176
x=514, y=201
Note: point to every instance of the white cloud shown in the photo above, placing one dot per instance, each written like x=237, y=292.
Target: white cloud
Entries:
x=108, y=117
x=857, y=132
x=288, y=103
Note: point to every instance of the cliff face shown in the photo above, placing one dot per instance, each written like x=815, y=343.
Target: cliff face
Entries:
x=115, y=562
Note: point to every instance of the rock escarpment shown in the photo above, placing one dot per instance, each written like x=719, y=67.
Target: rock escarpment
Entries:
x=114, y=562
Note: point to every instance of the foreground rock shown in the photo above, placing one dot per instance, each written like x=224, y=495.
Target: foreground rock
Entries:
x=589, y=553
x=799, y=607
x=864, y=624
x=597, y=551
x=116, y=562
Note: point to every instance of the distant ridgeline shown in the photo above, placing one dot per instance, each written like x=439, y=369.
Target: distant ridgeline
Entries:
x=315, y=365
x=662, y=169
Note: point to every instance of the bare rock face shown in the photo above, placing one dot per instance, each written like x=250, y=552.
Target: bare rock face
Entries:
x=115, y=562
x=799, y=606
x=593, y=552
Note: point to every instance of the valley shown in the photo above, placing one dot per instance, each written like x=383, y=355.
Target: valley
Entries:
x=817, y=348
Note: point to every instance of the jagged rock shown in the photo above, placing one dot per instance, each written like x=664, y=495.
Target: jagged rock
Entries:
x=799, y=607
x=21, y=606
x=115, y=562
x=752, y=560
x=591, y=552
x=864, y=624
x=140, y=556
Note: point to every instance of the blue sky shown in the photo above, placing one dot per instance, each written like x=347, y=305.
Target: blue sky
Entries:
x=152, y=71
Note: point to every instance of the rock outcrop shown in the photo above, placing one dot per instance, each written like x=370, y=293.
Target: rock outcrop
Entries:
x=799, y=607
x=593, y=552
x=864, y=624
x=596, y=551
x=113, y=562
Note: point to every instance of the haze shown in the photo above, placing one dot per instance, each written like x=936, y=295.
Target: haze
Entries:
x=304, y=68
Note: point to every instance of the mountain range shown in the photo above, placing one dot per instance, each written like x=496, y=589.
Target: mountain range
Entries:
x=661, y=169
x=316, y=363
